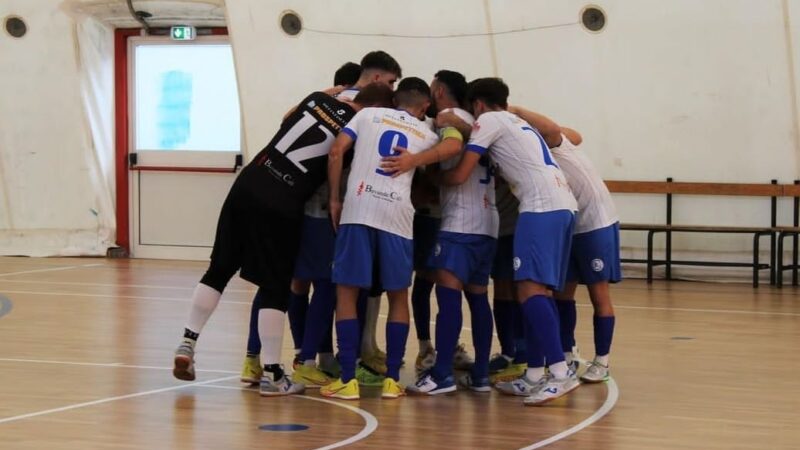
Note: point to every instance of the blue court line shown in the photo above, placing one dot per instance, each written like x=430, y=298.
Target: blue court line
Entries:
x=5, y=305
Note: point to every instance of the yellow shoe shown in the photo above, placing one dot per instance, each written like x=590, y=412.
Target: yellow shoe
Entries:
x=510, y=373
x=392, y=389
x=252, y=370
x=376, y=362
x=311, y=376
x=342, y=390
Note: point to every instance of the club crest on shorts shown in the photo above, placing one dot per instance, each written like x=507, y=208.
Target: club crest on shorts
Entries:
x=597, y=264
x=437, y=250
x=517, y=263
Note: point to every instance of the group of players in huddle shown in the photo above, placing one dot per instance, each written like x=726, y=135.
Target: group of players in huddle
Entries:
x=357, y=190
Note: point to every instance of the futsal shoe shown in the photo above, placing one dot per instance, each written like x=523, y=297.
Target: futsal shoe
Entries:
x=342, y=390
x=368, y=377
x=477, y=385
x=184, y=362
x=426, y=359
x=284, y=386
x=552, y=388
x=392, y=389
x=596, y=373
x=311, y=376
x=461, y=359
x=252, y=370
x=522, y=386
x=510, y=373
x=428, y=385
x=499, y=362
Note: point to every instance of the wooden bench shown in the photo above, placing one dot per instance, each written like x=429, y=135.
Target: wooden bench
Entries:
x=670, y=188
x=785, y=232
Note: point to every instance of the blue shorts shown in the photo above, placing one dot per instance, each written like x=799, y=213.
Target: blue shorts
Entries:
x=595, y=256
x=315, y=256
x=426, y=229
x=468, y=256
x=360, y=247
x=541, y=247
x=503, y=264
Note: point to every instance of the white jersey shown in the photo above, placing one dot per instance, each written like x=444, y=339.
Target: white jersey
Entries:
x=522, y=159
x=595, y=207
x=374, y=198
x=470, y=207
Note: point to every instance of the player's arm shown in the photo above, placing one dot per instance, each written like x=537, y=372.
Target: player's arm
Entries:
x=450, y=119
x=460, y=173
x=404, y=161
x=549, y=130
x=572, y=135
x=342, y=144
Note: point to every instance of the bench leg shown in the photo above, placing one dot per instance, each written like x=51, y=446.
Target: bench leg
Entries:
x=649, y=257
x=772, y=273
x=779, y=262
x=794, y=259
x=756, y=240
x=668, y=271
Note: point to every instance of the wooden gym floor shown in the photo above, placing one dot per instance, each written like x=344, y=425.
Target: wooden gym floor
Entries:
x=86, y=351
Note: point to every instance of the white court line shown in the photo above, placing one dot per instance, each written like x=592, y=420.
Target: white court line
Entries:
x=118, y=364
x=51, y=269
x=116, y=296
x=111, y=399
x=713, y=311
x=608, y=405
x=370, y=422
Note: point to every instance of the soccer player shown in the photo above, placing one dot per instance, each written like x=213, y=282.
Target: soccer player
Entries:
x=311, y=324
x=375, y=226
x=462, y=257
x=594, y=260
x=259, y=229
x=544, y=228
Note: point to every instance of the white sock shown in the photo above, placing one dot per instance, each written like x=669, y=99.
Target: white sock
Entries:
x=559, y=370
x=368, y=343
x=602, y=359
x=425, y=345
x=270, y=330
x=204, y=301
x=534, y=373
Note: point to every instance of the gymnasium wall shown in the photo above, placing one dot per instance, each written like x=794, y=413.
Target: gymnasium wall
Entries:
x=699, y=90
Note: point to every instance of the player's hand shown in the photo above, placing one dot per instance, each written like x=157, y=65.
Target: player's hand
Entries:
x=449, y=119
x=335, y=210
x=399, y=163
x=335, y=90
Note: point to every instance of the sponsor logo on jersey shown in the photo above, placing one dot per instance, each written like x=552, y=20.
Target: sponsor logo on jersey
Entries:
x=597, y=264
x=340, y=112
x=517, y=263
x=389, y=196
x=360, y=189
x=285, y=177
x=311, y=104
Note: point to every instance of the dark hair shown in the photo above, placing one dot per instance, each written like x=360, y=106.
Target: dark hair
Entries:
x=347, y=75
x=412, y=91
x=491, y=91
x=381, y=60
x=375, y=95
x=455, y=82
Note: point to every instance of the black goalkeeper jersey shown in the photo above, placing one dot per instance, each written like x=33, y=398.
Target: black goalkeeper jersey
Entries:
x=284, y=175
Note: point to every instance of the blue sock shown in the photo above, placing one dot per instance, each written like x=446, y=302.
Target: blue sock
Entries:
x=318, y=318
x=421, y=306
x=520, y=342
x=504, y=323
x=347, y=334
x=567, y=318
x=298, y=306
x=542, y=320
x=253, y=341
x=396, y=337
x=533, y=352
x=603, y=333
x=448, y=328
x=481, y=333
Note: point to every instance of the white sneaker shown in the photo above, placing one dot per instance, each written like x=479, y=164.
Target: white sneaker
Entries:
x=522, y=386
x=183, y=368
x=284, y=386
x=426, y=384
x=461, y=359
x=596, y=373
x=551, y=389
